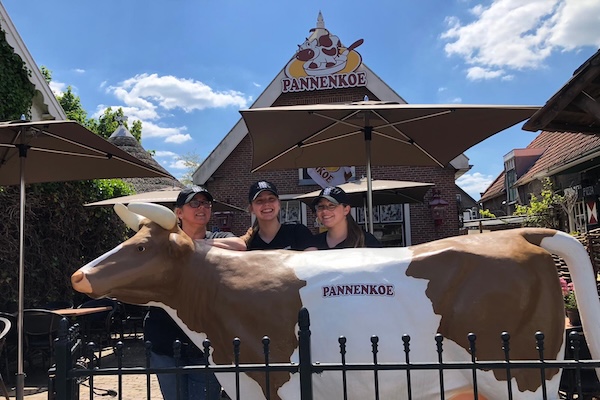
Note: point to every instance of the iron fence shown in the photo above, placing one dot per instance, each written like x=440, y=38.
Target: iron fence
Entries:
x=69, y=371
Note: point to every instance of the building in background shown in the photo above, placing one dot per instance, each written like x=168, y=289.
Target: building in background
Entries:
x=567, y=151
x=226, y=171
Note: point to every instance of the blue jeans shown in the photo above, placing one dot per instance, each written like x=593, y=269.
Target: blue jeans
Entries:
x=192, y=385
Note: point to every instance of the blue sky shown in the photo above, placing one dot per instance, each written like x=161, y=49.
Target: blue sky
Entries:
x=186, y=67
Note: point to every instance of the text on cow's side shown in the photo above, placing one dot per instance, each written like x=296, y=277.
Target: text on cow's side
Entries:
x=358, y=289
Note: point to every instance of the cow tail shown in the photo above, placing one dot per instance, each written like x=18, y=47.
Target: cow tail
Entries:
x=584, y=283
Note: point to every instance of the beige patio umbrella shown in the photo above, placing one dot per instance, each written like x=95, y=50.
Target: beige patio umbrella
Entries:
x=164, y=196
x=362, y=133
x=384, y=192
x=56, y=151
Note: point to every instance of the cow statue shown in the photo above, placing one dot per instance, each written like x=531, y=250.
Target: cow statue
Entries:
x=485, y=284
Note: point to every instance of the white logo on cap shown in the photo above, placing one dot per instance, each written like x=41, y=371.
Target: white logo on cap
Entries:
x=263, y=185
x=327, y=191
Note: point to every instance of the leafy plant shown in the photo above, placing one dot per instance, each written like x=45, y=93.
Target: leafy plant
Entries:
x=541, y=211
x=486, y=213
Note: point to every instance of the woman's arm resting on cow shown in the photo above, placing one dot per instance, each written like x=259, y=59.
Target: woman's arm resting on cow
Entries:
x=229, y=243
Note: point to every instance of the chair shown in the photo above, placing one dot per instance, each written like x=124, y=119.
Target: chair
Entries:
x=8, y=353
x=40, y=328
x=5, y=326
x=133, y=319
x=98, y=327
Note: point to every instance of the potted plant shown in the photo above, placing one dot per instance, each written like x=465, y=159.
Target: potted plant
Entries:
x=570, y=302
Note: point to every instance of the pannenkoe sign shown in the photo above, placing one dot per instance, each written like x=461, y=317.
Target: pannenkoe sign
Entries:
x=322, y=62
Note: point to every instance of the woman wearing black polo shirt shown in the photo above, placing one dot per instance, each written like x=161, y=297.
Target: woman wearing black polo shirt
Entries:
x=267, y=233
x=333, y=212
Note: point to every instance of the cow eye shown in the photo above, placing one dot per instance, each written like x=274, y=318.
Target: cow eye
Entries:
x=141, y=248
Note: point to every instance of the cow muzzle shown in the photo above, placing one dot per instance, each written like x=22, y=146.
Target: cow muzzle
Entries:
x=80, y=282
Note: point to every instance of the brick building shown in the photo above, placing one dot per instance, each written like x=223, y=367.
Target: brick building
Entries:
x=226, y=171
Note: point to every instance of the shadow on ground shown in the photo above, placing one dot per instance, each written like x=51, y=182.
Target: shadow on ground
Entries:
x=37, y=377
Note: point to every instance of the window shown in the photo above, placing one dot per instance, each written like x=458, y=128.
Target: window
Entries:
x=291, y=212
x=580, y=217
x=511, y=177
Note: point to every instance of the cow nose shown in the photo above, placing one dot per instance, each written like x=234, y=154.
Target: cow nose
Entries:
x=80, y=282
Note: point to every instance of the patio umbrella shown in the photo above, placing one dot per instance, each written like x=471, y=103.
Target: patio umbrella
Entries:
x=384, y=192
x=384, y=133
x=56, y=151
x=167, y=195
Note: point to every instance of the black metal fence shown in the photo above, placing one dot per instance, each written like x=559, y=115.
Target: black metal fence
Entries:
x=69, y=371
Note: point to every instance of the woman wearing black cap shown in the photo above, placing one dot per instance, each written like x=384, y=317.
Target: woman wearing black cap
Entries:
x=333, y=212
x=267, y=233
x=193, y=210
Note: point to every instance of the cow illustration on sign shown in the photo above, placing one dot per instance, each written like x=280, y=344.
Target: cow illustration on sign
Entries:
x=323, y=62
x=485, y=284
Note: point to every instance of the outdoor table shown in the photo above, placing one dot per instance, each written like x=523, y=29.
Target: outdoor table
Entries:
x=76, y=312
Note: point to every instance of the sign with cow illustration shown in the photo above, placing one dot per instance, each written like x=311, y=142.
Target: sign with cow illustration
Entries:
x=323, y=62
x=485, y=284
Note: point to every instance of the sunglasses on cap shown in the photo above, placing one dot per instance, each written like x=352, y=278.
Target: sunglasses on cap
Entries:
x=200, y=203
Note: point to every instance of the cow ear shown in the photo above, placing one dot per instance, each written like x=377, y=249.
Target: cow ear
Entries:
x=131, y=219
x=156, y=213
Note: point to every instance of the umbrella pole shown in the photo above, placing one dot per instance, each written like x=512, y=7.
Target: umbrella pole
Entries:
x=20, y=373
x=368, y=132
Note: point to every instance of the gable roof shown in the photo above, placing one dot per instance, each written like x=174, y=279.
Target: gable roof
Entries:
x=495, y=189
x=239, y=131
x=560, y=151
x=576, y=106
x=45, y=105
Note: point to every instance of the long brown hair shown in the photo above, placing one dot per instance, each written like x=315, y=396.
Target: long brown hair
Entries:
x=356, y=236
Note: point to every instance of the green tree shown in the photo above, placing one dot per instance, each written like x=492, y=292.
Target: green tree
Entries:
x=191, y=161
x=108, y=123
x=46, y=73
x=71, y=103
x=542, y=211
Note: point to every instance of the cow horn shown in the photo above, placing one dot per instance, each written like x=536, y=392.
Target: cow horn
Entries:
x=155, y=212
x=131, y=219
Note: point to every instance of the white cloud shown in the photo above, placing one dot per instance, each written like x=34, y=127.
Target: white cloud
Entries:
x=514, y=35
x=475, y=184
x=150, y=129
x=478, y=73
x=177, y=164
x=79, y=70
x=150, y=98
x=179, y=138
x=170, y=92
x=58, y=88
x=257, y=84
x=165, y=153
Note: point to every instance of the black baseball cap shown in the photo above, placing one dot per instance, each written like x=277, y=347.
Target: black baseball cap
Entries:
x=187, y=194
x=259, y=187
x=334, y=194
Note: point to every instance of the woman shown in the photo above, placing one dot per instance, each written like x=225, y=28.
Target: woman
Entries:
x=267, y=233
x=193, y=210
x=333, y=212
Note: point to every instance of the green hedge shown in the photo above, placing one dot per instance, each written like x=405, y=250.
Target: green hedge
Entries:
x=61, y=235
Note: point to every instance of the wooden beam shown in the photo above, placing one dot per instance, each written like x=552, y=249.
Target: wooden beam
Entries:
x=588, y=104
x=583, y=76
x=564, y=127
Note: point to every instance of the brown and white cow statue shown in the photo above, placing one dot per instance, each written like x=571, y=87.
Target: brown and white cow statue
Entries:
x=486, y=284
